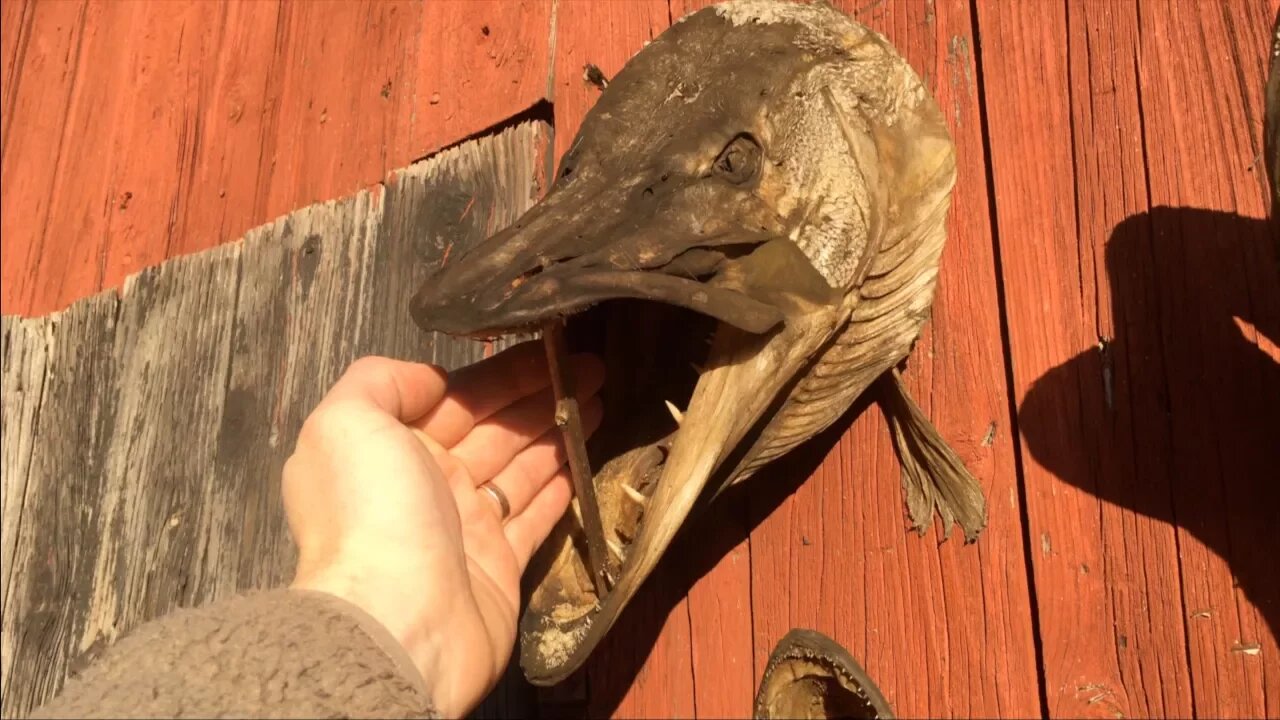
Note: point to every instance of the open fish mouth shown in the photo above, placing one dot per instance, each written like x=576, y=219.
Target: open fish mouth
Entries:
x=683, y=390
x=747, y=229
x=633, y=455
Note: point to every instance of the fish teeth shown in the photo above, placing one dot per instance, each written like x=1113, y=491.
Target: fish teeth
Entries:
x=696, y=367
x=635, y=494
x=675, y=412
x=614, y=546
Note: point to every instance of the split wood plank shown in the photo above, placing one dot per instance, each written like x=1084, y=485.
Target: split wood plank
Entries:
x=944, y=629
x=24, y=353
x=247, y=111
x=720, y=609
x=117, y=409
x=59, y=534
x=1143, y=474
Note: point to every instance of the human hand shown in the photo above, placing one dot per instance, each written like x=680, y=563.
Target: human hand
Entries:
x=382, y=498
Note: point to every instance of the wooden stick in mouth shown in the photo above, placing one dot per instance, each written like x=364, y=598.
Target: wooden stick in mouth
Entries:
x=569, y=420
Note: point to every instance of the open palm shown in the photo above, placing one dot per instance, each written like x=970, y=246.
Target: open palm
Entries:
x=382, y=494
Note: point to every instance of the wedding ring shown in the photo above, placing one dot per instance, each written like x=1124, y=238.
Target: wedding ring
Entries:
x=493, y=491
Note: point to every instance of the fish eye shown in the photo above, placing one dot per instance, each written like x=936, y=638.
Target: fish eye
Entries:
x=739, y=160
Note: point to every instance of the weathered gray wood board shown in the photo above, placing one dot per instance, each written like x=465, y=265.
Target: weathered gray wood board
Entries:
x=144, y=432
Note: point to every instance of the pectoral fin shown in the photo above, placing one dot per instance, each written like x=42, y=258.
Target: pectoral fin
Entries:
x=933, y=477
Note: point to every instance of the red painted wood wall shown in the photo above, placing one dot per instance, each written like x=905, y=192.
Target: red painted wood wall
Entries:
x=1102, y=351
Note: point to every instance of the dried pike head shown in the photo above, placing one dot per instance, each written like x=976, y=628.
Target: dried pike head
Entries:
x=747, y=226
x=809, y=675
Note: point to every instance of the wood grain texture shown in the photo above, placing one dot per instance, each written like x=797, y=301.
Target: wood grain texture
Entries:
x=478, y=63
x=14, y=33
x=170, y=359
x=60, y=533
x=152, y=425
x=1136, y=238
x=236, y=110
x=246, y=111
x=331, y=95
x=944, y=629
x=34, y=157
x=723, y=644
x=25, y=355
x=1208, y=202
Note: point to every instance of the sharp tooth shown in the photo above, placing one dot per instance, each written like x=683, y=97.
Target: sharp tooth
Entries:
x=614, y=546
x=696, y=368
x=634, y=494
x=675, y=412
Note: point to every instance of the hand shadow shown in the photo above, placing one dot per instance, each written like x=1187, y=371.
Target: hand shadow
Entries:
x=1177, y=417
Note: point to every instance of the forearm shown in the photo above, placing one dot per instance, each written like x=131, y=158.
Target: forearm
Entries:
x=284, y=653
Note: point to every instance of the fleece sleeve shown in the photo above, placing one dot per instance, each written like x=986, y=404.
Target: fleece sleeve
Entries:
x=276, y=654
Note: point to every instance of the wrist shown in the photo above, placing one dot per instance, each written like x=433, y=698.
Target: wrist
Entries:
x=388, y=613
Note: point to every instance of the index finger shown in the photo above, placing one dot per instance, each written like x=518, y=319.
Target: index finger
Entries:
x=402, y=389
x=483, y=388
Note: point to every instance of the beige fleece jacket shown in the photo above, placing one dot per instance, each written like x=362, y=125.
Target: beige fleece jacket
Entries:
x=283, y=653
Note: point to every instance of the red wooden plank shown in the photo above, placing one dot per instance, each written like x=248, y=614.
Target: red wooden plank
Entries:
x=1137, y=664
x=1024, y=51
x=720, y=612
x=605, y=35
x=260, y=108
x=15, y=29
x=945, y=629
x=151, y=146
x=335, y=130
x=1202, y=139
x=34, y=148
x=643, y=668
x=222, y=193
x=1133, y=466
x=478, y=63
x=1145, y=644
x=57, y=218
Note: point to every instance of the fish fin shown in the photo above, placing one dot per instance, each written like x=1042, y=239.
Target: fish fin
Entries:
x=933, y=476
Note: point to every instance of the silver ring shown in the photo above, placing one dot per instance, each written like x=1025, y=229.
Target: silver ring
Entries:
x=499, y=497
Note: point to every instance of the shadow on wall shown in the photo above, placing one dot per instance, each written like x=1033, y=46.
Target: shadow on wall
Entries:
x=1178, y=416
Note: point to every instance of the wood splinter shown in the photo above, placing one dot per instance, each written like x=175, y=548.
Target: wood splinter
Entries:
x=569, y=420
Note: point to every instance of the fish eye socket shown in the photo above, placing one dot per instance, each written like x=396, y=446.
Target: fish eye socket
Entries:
x=739, y=160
